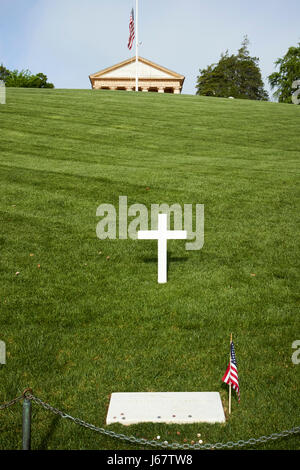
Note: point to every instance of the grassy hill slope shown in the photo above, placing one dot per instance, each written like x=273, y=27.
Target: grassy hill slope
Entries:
x=79, y=326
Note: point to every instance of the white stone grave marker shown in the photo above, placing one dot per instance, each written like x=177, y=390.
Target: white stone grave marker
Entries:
x=165, y=407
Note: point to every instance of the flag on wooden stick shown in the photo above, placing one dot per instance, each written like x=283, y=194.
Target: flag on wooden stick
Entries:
x=231, y=375
x=131, y=30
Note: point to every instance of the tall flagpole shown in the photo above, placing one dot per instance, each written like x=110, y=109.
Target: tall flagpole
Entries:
x=136, y=45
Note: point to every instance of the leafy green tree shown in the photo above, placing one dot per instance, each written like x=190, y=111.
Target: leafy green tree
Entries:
x=40, y=81
x=23, y=79
x=237, y=75
x=18, y=79
x=289, y=71
x=4, y=73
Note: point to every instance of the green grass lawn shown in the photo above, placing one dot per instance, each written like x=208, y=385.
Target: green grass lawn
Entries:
x=79, y=326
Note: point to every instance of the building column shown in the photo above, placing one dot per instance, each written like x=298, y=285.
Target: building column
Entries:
x=144, y=89
x=161, y=90
x=176, y=91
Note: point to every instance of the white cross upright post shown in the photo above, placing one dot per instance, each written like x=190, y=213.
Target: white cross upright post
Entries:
x=162, y=234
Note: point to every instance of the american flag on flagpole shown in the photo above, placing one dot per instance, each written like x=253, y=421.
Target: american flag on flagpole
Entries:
x=231, y=374
x=131, y=30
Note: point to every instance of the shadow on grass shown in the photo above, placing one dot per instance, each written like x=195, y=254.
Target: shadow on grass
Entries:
x=45, y=440
x=170, y=259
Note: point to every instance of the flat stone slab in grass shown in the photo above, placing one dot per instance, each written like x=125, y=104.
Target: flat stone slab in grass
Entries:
x=165, y=407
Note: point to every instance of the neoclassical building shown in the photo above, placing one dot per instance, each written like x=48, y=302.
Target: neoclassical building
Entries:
x=152, y=77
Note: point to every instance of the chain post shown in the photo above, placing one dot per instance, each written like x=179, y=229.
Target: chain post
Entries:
x=26, y=437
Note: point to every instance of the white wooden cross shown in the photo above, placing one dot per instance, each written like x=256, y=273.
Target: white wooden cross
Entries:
x=162, y=234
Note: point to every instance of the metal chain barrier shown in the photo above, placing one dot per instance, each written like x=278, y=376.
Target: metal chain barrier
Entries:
x=141, y=441
x=16, y=400
x=11, y=403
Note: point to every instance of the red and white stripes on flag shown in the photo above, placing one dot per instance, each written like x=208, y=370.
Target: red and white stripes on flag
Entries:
x=231, y=374
x=131, y=30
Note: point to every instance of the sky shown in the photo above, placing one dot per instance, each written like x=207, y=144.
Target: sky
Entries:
x=70, y=39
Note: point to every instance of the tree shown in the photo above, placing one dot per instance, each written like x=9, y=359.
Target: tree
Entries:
x=23, y=79
x=237, y=75
x=4, y=73
x=289, y=71
x=40, y=81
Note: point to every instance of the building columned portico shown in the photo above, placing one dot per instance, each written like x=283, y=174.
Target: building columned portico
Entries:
x=152, y=77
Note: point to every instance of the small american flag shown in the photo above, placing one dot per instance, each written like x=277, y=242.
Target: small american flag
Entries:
x=131, y=30
x=231, y=374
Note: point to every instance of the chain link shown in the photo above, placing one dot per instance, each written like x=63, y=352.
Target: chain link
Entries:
x=141, y=441
x=11, y=403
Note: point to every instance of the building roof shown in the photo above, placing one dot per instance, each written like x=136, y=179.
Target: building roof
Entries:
x=147, y=70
